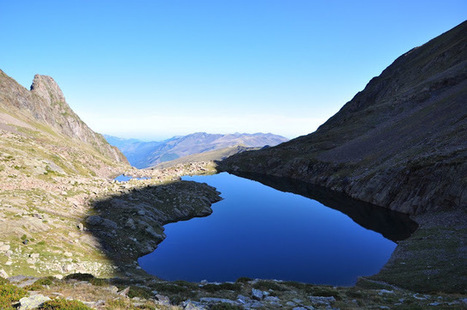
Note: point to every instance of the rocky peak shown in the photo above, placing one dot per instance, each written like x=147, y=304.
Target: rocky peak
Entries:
x=45, y=87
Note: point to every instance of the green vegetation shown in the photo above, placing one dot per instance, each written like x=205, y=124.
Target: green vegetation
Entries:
x=64, y=304
x=222, y=287
x=225, y=306
x=10, y=294
x=137, y=291
x=267, y=285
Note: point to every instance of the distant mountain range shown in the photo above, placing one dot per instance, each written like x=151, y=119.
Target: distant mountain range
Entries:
x=142, y=154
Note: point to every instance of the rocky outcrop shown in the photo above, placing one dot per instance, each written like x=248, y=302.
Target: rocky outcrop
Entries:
x=130, y=225
x=400, y=143
x=46, y=104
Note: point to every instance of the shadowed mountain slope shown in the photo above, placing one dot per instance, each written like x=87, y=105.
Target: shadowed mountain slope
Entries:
x=401, y=143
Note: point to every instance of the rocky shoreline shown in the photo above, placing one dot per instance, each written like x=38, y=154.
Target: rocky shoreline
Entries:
x=117, y=222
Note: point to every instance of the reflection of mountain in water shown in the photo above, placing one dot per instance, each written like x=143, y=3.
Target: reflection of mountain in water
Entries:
x=392, y=225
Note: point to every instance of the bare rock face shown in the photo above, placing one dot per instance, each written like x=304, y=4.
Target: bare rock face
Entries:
x=45, y=87
x=401, y=143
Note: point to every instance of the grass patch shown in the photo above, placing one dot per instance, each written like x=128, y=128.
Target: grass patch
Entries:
x=225, y=306
x=64, y=304
x=222, y=287
x=141, y=292
x=268, y=285
x=170, y=288
x=80, y=277
x=244, y=280
x=10, y=294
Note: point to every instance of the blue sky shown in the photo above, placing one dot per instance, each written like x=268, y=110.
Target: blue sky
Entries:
x=155, y=69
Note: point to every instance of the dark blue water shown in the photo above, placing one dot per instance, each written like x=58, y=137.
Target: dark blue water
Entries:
x=260, y=232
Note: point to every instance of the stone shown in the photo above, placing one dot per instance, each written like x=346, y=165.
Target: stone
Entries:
x=94, y=220
x=322, y=300
x=189, y=305
x=32, y=302
x=243, y=299
x=124, y=292
x=109, y=224
x=130, y=223
x=162, y=300
x=257, y=294
x=81, y=226
x=4, y=247
x=272, y=299
x=3, y=274
x=383, y=291
x=213, y=300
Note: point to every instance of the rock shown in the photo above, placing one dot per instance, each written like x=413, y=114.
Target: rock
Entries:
x=94, y=220
x=130, y=223
x=189, y=305
x=80, y=226
x=383, y=291
x=124, y=292
x=243, y=299
x=4, y=247
x=153, y=233
x=322, y=300
x=257, y=294
x=109, y=224
x=213, y=300
x=34, y=255
x=3, y=274
x=272, y=299
x=163, y=300
x=32, y=302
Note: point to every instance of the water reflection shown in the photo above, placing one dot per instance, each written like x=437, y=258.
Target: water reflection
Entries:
x=274, y=231
x=394, y=226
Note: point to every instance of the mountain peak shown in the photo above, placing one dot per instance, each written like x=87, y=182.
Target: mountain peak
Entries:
x=45, y=87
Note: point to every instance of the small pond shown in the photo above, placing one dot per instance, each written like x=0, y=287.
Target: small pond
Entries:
x=258, y=231
x=125, y=178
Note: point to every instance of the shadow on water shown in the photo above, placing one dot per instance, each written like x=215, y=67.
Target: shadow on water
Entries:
x=129, y=224
x=394, y=226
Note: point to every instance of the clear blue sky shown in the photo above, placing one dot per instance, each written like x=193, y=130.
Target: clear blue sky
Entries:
x=154, y=69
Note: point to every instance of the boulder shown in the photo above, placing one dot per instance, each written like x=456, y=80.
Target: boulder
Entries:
x=32, y=302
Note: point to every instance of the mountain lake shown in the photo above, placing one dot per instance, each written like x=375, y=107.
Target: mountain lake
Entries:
x=296, y=232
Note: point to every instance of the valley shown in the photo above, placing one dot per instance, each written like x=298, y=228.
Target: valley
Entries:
x=68, y=230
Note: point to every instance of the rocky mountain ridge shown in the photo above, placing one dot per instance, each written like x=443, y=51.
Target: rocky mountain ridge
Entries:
x=401, y=143
x=45, y=104
x=148, y=154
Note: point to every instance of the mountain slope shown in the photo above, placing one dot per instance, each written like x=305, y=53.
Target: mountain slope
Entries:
x=44, y=112
x=209, y=156
x=401, y=143
x=147, y=154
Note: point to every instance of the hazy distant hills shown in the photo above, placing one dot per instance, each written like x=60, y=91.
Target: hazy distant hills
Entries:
x=147, y=154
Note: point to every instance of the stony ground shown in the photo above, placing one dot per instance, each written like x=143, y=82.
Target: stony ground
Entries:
x=57, y=221
x=245, y=293
x=45, y=207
